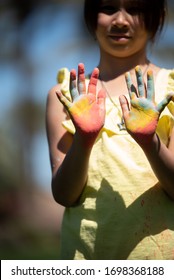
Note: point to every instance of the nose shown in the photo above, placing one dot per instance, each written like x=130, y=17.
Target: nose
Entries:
x=120, y=19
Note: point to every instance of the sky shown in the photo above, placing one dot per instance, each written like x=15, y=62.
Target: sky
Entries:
x=50, y=40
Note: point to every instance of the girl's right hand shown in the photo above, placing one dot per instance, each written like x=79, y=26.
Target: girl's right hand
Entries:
x=87, y=109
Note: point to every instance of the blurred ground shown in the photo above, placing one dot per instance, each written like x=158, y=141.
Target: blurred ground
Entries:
x=29, y=226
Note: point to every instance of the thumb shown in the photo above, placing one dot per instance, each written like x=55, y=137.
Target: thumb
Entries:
x=165, y=102
x=66, y=103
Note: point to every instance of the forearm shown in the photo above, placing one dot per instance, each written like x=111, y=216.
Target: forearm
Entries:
x=69, y=180
x=162, y=163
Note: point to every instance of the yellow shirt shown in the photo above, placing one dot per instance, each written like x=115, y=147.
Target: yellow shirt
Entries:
x=123, y=213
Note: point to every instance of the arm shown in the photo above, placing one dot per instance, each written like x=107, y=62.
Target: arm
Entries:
x=70, y=154
x=161, y=159
x=141, y=120
x=68, y=162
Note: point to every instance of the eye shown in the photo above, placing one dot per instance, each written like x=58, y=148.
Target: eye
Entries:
x=134, y=10
x=107, y=9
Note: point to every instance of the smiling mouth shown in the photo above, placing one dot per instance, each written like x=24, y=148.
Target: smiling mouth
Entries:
x=119, y=37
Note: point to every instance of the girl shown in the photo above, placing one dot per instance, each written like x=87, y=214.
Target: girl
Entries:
x=111, y=142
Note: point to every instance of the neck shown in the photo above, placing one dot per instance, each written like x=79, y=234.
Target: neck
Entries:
x=112, y=67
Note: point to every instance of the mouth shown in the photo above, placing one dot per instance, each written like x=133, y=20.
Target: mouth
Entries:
x=119, y=37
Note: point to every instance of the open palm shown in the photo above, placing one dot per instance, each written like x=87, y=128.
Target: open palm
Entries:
x=142, y=115
x=87, y=109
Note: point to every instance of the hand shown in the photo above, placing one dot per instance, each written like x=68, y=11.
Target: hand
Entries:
x=142, y=115
x=86, y=110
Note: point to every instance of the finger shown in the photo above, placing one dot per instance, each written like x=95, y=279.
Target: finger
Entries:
x=165, y=102
x=101, y=98
x=130, y=86
x=72, y=85
x=150, y=86
x=66, y=103
x=81, y=79
x=124, y=106
x=140, y=82
x=93, y=81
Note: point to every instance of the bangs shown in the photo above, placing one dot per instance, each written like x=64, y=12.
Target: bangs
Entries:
x=151, y=12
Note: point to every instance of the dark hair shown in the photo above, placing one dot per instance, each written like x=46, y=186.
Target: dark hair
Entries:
x=153, y=15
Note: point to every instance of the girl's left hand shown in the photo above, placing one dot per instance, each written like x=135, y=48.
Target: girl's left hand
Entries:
x=142, y=115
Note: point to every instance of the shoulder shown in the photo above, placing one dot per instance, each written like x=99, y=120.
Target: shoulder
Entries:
x=58, y=138
x=62, y=81
x=52, y=99
x=165, y=72
x=54, y=108
x=168, y=76
x=171, y=78
x=170, y=89
x=170, y=72
x=165, y=80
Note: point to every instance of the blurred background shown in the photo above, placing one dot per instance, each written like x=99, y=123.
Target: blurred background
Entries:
x=37, y=38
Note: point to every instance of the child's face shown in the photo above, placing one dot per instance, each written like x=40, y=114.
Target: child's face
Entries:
x=120, y=31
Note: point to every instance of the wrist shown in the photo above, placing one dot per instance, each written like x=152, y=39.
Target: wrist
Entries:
x=86, y=142
x=151, y=144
